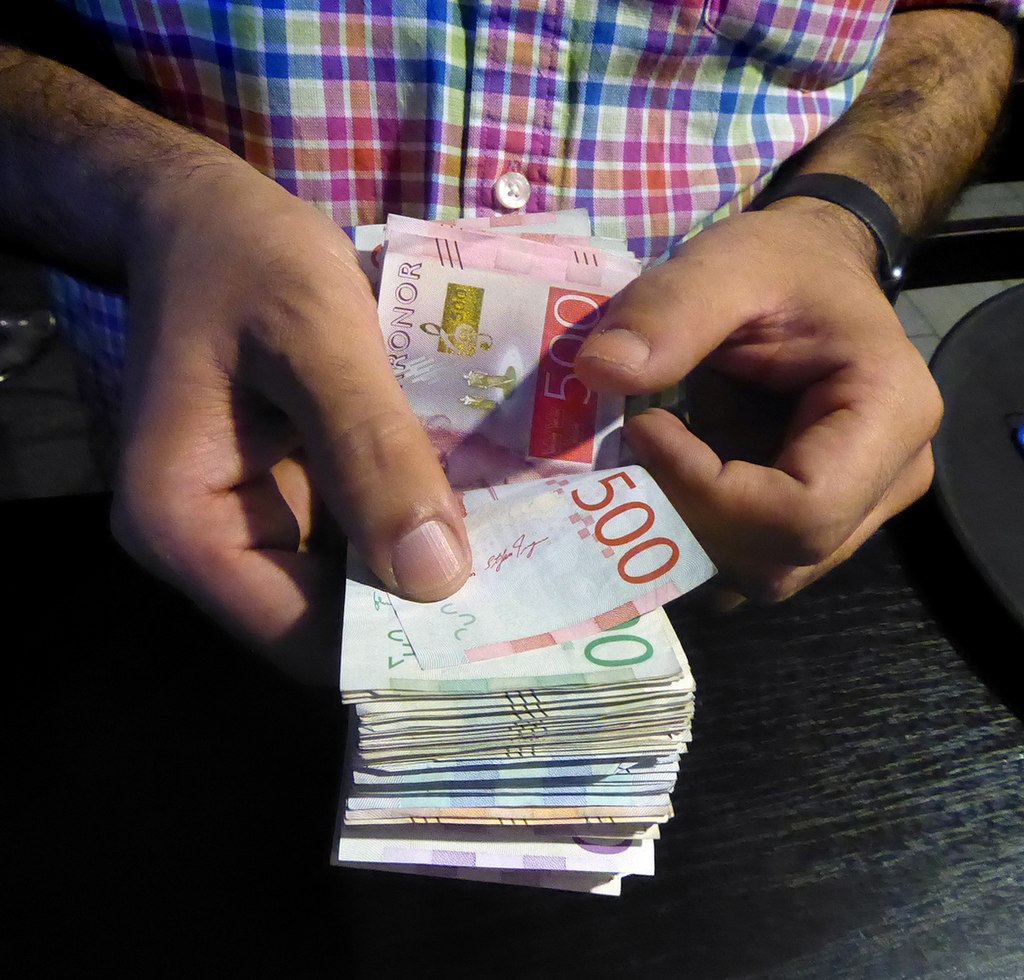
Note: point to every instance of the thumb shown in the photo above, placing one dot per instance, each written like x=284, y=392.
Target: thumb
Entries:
x=668, y=320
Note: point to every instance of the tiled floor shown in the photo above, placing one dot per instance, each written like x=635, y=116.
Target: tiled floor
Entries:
x=929, y=314
x=989, y=201
x=44, y=444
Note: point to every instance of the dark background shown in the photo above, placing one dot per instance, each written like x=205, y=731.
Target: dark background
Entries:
x=851, y=805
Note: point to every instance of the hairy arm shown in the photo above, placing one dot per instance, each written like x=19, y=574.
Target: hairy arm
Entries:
x=783, y=304
x=926, y=113
x=76, y=165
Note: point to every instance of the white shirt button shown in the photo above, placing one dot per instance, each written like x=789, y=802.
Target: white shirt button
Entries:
x=512, y=190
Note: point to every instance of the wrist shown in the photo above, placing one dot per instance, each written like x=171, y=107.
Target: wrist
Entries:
x=178, y=185
x=82, y=169
x=847, y=236
x=860, y=203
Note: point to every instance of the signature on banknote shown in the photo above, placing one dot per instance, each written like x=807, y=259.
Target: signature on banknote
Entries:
x=519, y=549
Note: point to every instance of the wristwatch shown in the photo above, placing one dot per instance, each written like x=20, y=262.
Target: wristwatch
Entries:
x=862, y=202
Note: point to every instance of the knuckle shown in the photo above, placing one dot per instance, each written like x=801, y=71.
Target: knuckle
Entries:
x=915, y=398
x=290, y=312
x=933, y=407
x=381, y=440
x=383, y=461
x=926, y=471
x=299, y=316
x=918, y=477
x=922, y=477
x=779, y=588
x=918, y=400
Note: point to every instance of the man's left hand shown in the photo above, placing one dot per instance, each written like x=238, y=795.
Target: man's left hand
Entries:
x=783, y=301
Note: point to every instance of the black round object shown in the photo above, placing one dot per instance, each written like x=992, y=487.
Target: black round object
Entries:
x=979, y=464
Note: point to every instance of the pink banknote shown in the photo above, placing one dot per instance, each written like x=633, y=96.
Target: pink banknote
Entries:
x=482, y=332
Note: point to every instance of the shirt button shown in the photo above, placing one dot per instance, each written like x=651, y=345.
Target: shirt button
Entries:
x=512, y=190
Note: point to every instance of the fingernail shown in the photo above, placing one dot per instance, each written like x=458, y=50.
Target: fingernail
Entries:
x=620, y=347
x=427, y=559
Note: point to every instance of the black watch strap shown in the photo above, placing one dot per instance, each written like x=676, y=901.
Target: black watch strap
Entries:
x=861, y=201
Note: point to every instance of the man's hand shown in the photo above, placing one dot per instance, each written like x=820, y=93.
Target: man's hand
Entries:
x=257, y=383
x=783, y=300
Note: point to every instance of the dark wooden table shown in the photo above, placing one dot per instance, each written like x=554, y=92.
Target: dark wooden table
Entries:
x=853, y=804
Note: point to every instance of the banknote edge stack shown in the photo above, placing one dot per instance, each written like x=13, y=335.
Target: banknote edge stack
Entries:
x=450, y=821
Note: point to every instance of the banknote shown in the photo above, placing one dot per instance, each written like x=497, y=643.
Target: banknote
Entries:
x=436, y=727
x=468, y=795
x=572, y=223
x=493, y=775
x=606, y=749
x=612, y=832
x=484, y=847
x=528, y=730
x=610, y=539
x=523, y=741
x=378, y=713
x=593, y=883
x=657, y=811
x=520, y=715
x=482, y=331
x=377, y=656
x=394, y=758
x=604, y=773
x=384, y=716
x=585, y=795
x=408, y=767
x=453, y=743
x=495, y=770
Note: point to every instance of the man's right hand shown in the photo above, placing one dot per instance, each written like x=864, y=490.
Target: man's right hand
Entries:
x=256, y=385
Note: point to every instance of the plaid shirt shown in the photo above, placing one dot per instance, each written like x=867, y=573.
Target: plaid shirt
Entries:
x=657, y=116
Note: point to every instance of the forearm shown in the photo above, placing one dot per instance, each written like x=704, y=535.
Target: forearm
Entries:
x=925, y=115
x=78, y=163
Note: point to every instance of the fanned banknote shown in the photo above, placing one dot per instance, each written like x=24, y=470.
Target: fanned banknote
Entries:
x=529, y=729
x=519, y=849
x=482, y=332
x=378, y=660
x=573, y=881
x=611, y=539
x=574, y=223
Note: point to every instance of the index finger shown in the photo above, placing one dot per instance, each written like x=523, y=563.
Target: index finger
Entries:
x=848, y=443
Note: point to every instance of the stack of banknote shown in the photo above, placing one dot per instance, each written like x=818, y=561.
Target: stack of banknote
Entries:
x=529, y=728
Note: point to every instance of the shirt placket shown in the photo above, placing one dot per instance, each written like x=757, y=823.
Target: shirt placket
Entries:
x=513, y=108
